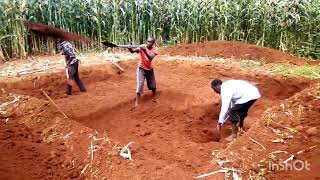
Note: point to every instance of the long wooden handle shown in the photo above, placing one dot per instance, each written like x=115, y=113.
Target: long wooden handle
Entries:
x=114, y=63
x=53, y=103
x=111, y=45
x=130, y=46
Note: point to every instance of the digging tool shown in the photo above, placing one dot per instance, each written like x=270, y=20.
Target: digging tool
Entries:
x=111, y=45
x=53, y=103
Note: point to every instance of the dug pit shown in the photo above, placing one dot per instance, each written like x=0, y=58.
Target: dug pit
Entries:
x=178, y=130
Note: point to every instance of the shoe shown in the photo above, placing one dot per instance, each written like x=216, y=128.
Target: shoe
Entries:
x=81, y=85
x=69, y=89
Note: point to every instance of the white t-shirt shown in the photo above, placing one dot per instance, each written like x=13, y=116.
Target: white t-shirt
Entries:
x=236, y=92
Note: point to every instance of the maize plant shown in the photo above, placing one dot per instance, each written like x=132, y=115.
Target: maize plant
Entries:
x=291, y=26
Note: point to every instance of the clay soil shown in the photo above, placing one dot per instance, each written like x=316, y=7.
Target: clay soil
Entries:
x=173, y=138
x=228, y=49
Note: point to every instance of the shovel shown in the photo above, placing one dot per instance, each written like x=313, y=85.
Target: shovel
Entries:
x=111, y=45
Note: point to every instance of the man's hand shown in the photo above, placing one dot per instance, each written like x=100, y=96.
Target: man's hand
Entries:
x=219, y=127
x=130, y=45
x=130, y=48
x=143, y=48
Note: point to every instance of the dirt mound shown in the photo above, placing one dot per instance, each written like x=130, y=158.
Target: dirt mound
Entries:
x=24, y=156
x=45, y=30
x=238, y=50
x=290, y=129
x=55, y=82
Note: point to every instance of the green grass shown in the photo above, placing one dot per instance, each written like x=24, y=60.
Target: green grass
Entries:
x=306, y=71
x=251, y=63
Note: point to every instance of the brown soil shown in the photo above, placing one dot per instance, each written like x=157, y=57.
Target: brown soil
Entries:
x=173, y=138
x=24, y=156
x=238, y=50
x=299, y=113
x=50, y=31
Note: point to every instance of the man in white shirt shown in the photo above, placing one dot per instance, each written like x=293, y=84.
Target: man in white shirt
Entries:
x=237, y=96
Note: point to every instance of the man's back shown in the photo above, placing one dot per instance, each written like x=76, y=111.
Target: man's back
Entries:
x=67, y=49
x=240, y=90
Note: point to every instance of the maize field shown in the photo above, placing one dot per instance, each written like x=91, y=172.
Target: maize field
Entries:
x=291, y=26
x=98, y=108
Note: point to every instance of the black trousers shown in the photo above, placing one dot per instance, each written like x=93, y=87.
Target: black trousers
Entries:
x=239, y=112
x=73, y=74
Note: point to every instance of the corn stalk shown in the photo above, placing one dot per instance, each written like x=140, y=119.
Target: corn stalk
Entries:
x=291, y=26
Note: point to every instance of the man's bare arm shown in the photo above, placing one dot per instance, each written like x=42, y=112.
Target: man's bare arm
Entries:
x=133, y=50
x=149, y=56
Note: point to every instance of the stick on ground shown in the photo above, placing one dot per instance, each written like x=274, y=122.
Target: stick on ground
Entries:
x=112, y=60
x=209, y=174
x=114, y=63
x=53, y=103
x=11, y=102
x=294, y=156
x=83, y=170
x=257, y=143
x=91, y=151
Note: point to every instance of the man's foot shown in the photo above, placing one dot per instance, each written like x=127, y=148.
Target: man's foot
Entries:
x=154, y=96
x=231, y=137
x=135, y=106
x=137, y=100
x=155, y=100
x=82, y=87
x=69, y=89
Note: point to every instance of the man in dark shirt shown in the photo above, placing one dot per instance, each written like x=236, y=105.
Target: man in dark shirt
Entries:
x=72, y=67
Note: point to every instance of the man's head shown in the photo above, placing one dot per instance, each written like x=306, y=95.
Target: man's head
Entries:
x=216, y=85
x=60, y=41
x=150, y=42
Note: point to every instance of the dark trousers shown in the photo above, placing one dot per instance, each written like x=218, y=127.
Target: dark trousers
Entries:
x=143, y=74
x=73, y=74
x=239, y=112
